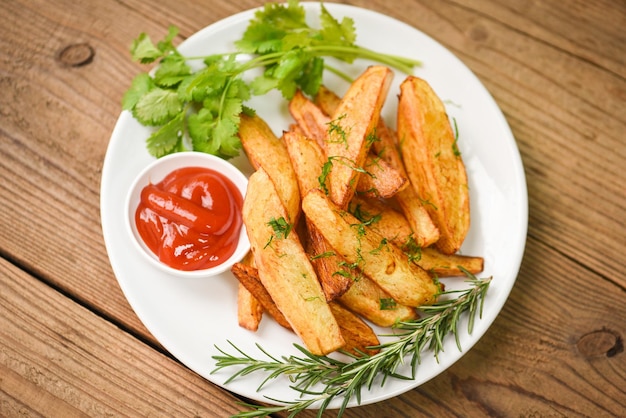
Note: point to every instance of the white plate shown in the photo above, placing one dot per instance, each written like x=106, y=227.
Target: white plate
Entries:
x=191, y=317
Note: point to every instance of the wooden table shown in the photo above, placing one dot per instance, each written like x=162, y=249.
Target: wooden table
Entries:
x=71, y=344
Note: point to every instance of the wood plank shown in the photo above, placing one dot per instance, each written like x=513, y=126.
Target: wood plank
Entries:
x=59, y=359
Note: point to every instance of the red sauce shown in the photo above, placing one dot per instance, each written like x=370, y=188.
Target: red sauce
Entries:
x=192, y=219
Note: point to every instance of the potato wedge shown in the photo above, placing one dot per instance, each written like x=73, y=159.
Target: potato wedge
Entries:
x=367, y=299
x=265, y=150
x=379, y=178
x=348, y=138
x=360, y=338
x=327, y=100
x=392, y=225
x=307, y=160
x=432, y=161
x=332, y=272
x=249, y=309
x=312, y=121
x=425, y=232
x=449, y=265
x=386, y=147
x=248, y=277
x=382, y=218
x=382, y=262
x=284, y=267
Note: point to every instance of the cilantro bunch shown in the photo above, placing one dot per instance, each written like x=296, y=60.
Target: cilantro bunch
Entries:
x=200, y=110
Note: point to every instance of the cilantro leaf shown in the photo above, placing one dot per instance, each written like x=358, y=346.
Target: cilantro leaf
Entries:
x=167, y=139
x=270, y=25
x=225, y=133
x=214, y=129
x=200, y=127
x=144, y=51
x=166, y=45
x=311, y=77
x=157, y=107
x=172, y=70
x=263, y=84
x=140, y=85
x=332, y=31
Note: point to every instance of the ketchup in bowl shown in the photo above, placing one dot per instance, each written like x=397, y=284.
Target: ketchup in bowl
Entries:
x=191, y=220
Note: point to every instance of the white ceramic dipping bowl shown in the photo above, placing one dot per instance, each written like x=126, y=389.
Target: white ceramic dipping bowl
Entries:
x=157, y=171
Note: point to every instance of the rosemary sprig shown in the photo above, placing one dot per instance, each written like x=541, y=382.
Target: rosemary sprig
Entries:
x=336, y=378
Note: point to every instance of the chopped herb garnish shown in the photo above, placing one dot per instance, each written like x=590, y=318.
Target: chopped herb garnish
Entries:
x=388, y=304
x=455, y=148
x=281, y=228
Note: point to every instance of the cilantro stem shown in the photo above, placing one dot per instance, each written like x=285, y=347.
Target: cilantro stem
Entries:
x=339, y=73
x=403, y=64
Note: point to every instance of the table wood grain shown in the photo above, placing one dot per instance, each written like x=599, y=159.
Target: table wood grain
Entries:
x=70, y=344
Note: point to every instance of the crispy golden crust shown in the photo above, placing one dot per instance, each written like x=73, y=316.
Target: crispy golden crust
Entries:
x=348, y=139
x=367, y=299
x=432, y=161
x=424, y=230
x=285, y=270
x=249, y=278
x=379, y=179
x=249, y=309
x=382, y=262
x=307, y=159
x=360, y=338
x=265, y=150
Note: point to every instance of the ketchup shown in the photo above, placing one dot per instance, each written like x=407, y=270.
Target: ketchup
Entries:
x=192, y=219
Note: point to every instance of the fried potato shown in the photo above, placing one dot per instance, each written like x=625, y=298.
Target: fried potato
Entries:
x=327, y=100
x=312, y=121
x=379, y=178
x=248, y=277
x=448, y=265
x=284, y=268
x=392, y=225
x=265, y=150
x=332, y=272
x=354, y=256
x=382, y=218
x=348, y=138
x=307, y=160
x=249, y=309
x=360, y=338
x=367, y=299
x=432, y=161
x=382, y=262
x=424, y=230
x=386, y=147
